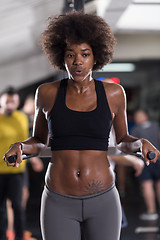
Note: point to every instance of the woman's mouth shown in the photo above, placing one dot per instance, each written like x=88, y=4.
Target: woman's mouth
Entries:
x=78, y=72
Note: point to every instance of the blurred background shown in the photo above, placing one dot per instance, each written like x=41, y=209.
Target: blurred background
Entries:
x=136, y=62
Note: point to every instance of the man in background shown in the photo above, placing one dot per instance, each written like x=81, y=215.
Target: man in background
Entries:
x=150, y=177
x=13, y=128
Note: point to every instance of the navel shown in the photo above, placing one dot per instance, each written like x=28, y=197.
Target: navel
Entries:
x=78, y=173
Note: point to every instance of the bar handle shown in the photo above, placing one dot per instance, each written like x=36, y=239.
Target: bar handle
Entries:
x=13, y=158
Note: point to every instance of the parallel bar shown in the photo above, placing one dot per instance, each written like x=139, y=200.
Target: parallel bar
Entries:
x=112, y=151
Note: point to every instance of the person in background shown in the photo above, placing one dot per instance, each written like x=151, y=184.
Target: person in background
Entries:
x=37, y=166
x=29, y=109
x=77, y=113
x=150, y=177
x=13, y=127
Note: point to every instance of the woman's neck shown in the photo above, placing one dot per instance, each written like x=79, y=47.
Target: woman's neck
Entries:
x=81, y=86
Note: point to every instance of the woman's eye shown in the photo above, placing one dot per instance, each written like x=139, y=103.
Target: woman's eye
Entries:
x=86, y=55
x=69, y=55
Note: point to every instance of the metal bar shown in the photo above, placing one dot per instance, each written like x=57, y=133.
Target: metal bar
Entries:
x=112, y=151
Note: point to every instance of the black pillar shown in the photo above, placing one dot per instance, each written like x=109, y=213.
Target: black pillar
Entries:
x=79, y=5
x=69, y=5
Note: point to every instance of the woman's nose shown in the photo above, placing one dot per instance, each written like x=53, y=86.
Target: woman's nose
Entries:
x=77, y=60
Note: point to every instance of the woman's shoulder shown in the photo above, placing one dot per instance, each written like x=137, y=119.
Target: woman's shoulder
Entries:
x=115, y=95
x=51, y=86
x=46, y=93
x=48, y=89
x=114, y=89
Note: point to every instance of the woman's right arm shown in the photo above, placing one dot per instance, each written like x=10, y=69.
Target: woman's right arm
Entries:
x=35, y=144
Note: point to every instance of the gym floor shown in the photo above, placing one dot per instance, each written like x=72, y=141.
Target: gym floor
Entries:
x=132, y=203
x=136, y=228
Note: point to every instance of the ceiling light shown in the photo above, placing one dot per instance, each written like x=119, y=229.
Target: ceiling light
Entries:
x=146, y=1
x=118, y=67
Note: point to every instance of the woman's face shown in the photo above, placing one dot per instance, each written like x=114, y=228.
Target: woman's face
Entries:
x=79, y=61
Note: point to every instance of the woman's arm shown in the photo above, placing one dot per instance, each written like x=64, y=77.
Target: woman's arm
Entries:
x=39, y=140
x=35, y=144
x=126, y=142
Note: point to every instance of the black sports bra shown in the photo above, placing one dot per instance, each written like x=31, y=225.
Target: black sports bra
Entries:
x=76, y=130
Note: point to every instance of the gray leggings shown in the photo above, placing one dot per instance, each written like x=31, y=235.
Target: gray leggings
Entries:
x=63, y=217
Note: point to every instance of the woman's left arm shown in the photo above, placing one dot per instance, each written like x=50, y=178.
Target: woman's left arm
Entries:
x=126, y=142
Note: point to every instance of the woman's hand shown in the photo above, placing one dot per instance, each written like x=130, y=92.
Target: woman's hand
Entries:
x=147, y=147
x=15, y=150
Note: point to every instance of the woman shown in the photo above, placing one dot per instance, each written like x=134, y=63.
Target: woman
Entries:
x=78, y=113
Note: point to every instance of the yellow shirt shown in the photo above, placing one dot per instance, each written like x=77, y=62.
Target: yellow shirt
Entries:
x=13, y=129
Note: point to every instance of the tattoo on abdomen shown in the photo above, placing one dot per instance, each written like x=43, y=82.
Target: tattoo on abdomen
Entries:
x=94, y=187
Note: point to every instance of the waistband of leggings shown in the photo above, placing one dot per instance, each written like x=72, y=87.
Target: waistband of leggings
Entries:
x=79, y=197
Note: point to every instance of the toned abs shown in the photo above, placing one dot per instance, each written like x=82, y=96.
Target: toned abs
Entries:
x=79, y=173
